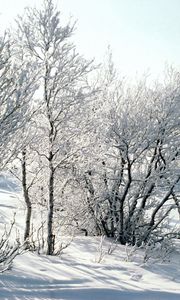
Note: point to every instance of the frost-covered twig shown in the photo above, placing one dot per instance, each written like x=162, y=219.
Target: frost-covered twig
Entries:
x=9, y=249
x=100, y=251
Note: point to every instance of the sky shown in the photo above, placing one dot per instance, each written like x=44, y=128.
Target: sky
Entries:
x=144, y=35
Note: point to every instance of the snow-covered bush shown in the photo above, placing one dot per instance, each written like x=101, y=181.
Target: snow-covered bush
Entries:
x=9, y=248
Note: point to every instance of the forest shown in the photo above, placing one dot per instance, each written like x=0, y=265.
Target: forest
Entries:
x=92, y=153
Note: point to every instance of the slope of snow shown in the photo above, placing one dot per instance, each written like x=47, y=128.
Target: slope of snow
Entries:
x=77, y=275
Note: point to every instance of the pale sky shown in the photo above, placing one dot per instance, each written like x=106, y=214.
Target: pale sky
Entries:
x=143, y=34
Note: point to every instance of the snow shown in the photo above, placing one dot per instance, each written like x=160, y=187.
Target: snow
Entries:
x=76, y=273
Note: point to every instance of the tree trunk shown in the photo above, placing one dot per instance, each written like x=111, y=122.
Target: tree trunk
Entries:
x=122, y=199
x=26, y=197
x=51, y=236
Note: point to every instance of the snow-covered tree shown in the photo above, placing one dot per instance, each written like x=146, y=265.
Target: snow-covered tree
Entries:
x=139, y=179
x=17, y=87
x=64, y=90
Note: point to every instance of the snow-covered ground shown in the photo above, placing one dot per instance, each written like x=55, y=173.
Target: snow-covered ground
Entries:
x=85, y=270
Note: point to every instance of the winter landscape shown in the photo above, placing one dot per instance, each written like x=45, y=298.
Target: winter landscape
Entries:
x=89, y=268
x=89, y=173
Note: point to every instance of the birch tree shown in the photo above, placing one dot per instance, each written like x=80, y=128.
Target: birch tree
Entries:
x=132, y=191
x=141, y=172
x=17, y=87
x=64, y=91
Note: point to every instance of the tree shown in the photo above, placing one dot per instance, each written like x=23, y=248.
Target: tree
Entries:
x=141, y=177
x=17, y=86
x=133, y=187
x=65, y=89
